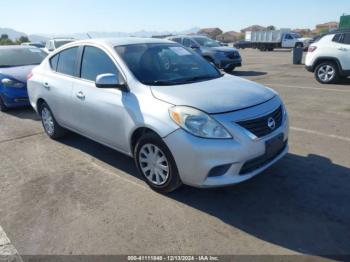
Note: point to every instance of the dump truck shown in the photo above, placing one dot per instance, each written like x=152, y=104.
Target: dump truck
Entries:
x=283, y=38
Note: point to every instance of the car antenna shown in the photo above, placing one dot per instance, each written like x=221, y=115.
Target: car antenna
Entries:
x=89, y=36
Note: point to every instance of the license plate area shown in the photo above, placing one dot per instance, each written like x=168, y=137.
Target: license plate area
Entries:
x=274, y=146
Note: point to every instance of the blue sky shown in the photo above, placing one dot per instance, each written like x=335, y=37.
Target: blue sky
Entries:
x=74, y=16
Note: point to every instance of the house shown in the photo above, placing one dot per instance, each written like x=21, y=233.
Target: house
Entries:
x=210, y=32
x=303, y=32
x=229, y=37
x=326, y=27
x=253, y=28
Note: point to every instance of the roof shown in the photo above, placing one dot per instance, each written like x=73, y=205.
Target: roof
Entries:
x=329, y=24
x=254, y=28
x=210, y=30
x=231, y=33
x=123, y=41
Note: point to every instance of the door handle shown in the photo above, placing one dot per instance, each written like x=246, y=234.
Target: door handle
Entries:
x=80, y=95
x=46, y=86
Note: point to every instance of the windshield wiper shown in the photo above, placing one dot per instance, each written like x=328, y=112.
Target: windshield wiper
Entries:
x=163, y=83
x=200, y=78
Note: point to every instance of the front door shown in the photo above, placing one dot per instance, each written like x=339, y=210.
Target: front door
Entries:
x=99, y=112
x=288, y=41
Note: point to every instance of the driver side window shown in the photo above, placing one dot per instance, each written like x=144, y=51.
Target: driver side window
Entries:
x=96, y=62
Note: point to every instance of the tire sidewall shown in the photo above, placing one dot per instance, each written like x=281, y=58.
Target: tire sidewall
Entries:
x=58, y=130
x=3, y=107
x=174, y=180
x=334, y=79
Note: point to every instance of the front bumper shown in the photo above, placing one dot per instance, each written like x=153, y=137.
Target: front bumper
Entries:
x=227, y=63
x=15, y=97
x=198, y=158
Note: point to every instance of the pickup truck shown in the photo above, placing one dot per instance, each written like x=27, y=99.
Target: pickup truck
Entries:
x=283, y=38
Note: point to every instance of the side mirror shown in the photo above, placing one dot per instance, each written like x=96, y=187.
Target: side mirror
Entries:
x=110, y=81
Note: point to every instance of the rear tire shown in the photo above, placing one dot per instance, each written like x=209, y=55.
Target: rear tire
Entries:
x=327, y=73
x=3, y=107
x=156, y=164
x=50, y=125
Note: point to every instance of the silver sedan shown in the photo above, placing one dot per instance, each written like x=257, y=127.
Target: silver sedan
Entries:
x=181, y=119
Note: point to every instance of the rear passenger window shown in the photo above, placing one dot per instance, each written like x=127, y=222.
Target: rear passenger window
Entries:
x=54, y=62
x=338, y=38
x=346, y=39
x=96, y=62
x=67, y=61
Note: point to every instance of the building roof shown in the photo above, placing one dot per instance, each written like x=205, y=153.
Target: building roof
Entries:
x=328, y=24
x=253, y=28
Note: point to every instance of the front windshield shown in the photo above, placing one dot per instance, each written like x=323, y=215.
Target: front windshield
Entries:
x=206, y=42
x=11, y=57
x=166, y=64
x=61, y=43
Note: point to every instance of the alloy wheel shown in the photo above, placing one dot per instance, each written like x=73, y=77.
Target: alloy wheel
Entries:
x=326, y=73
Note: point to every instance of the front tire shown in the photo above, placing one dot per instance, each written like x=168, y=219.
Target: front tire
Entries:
x=3, y=107
x=51, y=127
x=327, y=73
x=229, y=69
x=156, y=164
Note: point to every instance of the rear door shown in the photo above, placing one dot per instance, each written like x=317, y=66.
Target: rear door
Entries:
x=58, y=84
x=99, y=112
x=344, y=49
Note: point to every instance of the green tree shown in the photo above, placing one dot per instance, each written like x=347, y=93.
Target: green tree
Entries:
x=271, y=28
x=5, y=40
x=22, y=39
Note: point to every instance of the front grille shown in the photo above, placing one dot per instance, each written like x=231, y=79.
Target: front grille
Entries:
x=261, y=161
x=233, y=55
x=260, y=127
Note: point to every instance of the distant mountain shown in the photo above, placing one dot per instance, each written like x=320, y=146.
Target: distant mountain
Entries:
x=13, y=34
x=142, y=33
x=38, y=38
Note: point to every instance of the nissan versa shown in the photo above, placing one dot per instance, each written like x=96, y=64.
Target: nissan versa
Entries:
x=181, y=119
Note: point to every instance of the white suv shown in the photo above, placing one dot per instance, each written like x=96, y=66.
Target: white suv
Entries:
x=329, y=58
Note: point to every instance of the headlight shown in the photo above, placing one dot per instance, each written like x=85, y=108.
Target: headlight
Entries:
x=12, y=83
x=198, y=123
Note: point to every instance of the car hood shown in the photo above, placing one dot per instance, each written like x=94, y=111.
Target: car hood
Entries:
x=223, y=49
x=19, y=73
x=225, y=94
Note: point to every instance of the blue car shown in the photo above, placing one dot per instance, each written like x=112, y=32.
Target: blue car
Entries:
x=16, y=63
